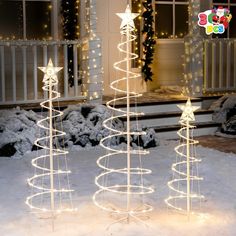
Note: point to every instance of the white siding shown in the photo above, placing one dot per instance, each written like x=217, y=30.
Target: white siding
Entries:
x=108, y=28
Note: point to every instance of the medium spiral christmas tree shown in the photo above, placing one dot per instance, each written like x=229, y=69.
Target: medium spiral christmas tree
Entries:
x=121, y=186
x=51, y=191
x=184, y=187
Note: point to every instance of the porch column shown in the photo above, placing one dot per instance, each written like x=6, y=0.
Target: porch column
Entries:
x=91, y=56
x=193, y=43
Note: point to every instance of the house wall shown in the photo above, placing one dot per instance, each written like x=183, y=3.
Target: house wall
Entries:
x=168, y=63
x=168, y=59
x=108, y=29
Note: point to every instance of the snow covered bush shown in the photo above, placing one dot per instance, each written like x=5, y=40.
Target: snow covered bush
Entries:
x=225, y=113
x=83, y=126
x=18, y=130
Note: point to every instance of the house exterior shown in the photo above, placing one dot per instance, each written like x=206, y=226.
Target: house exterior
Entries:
x=184, y=54
x=172, y=25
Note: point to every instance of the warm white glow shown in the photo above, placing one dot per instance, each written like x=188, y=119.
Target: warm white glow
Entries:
x=127, y=18
x=126, y=190
x=44, y=184
x=185, y=170
x=188, y=111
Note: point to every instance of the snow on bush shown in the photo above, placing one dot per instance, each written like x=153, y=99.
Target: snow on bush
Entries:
x=225, y=113
x=18, y=130
x=83, y=126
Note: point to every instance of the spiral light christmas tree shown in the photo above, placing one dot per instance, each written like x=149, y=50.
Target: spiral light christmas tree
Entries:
x=52, y=182
x=121, y=189
x=184, y=187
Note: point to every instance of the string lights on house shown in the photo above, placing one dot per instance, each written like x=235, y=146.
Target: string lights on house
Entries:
x=193, y=44
x=122, y=189
x=70, y=23
x=51, y=191
x=184, y=187
x=92, y=56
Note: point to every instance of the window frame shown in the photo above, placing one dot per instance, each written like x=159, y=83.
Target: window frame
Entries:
x=227, y=4
x=173, y=3
x=54, y=17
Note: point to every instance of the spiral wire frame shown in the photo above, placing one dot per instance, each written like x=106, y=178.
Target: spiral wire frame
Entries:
x=128, y=190
x=47, y=195
x=184, y=186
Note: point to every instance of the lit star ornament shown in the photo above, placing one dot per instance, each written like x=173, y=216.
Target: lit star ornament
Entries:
x=50, y=71
x=188, y=111
x=127, y=17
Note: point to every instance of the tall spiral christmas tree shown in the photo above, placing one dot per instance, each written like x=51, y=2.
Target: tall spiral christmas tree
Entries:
x=184, y=187
x=121, y=186
x=51, y=191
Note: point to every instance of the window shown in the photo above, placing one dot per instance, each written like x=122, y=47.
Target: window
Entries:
x=231, y=5
x=29, y=21
x=171, y=18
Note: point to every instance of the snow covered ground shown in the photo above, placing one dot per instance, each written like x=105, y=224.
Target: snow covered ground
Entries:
x=219, y=188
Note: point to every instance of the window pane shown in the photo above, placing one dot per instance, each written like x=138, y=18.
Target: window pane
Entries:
x=232, y=24
x=220, y=1
x=232, y=1
x=38, y=20
x=181, y=20
x=11, y=19
x=164, y=21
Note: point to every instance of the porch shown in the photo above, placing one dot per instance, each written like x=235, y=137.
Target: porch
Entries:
x=21, y=81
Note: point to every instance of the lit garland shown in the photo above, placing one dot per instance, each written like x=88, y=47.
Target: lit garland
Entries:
x=70, y=22
x=45, y=182
x=128, y=193
x=184, y=187
x=149, y=41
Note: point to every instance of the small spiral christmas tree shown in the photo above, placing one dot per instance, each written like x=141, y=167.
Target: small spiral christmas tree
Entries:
x=184, y=187
x=51, y=191
x=121, y=186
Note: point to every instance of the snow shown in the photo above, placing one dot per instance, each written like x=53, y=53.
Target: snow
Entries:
x=18, y=131
x=225, y=112
x=219, y=208
x=82, y=123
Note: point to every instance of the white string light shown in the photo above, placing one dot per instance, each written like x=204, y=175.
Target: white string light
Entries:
x=127, y=193
x=49, y=190
x=185, y=170
x=92, y=56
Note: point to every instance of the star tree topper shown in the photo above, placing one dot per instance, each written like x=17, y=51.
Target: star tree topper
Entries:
x=50, y=71
x=127, y=18
x=188, y=111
